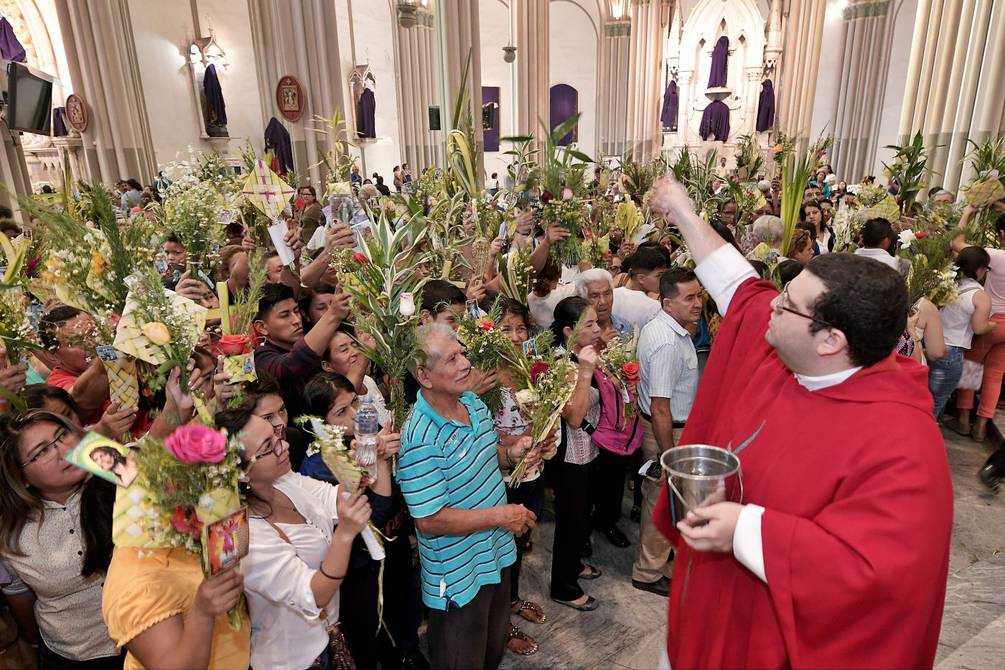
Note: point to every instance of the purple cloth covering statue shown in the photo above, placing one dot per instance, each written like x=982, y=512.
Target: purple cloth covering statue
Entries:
x=766, y=106
x=715, y=121
x=366, y=125
x=563, y=102
x=277, y=138
x=215, y=105
x=720, y=56
x=670, y=103
x=10, y=46
x=58, y=124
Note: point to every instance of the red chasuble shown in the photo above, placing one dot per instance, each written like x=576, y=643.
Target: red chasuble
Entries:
x=858, y=514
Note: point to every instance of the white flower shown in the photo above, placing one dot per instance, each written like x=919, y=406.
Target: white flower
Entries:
x=906, y=238
x=406, y=304
x=206, y=502
x=526, y=396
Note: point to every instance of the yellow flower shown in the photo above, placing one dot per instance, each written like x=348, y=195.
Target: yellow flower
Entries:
x=156, y=332
x=777, y=149
x=98, y=263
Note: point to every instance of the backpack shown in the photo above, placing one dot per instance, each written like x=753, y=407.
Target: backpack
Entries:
x=614, y=431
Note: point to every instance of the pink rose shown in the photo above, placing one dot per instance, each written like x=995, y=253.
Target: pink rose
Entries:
x=196, y=444
x=567, y=193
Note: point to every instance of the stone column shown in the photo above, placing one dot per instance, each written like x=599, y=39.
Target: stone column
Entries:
x=459, y=36
x=802, y=31
x=613, y=89
x=858, y=110
x=645, y=70
x=300, y=38
x=415, y=59
x=533, y=90
x=13, y=170
x=953, y=92
x=101, y=57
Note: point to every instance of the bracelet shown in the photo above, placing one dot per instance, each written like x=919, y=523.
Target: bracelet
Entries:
x=321, y=569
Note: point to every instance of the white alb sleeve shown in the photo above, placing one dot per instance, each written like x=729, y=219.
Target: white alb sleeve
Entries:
x=747, y=544
x=722, y=272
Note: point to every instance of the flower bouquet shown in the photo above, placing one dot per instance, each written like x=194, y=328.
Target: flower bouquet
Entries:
x=620, y=361
x=563, y=183
x=235, y=323
x=987, y=160
x=795, y=175
x=875, y=203
x=160, y=328
x=192, y=208
x=749, y=160
x=628, y=218
x=484, y=344
x=516, y=273
x=931, y=275
x=909, y=168
x=383, y=287
x=595, y=249
x=185, y=483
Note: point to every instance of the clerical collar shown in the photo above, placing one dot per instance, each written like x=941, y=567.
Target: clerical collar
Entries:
x=824, y=381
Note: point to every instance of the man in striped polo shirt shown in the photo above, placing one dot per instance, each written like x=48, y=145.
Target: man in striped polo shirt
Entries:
x=449, y=472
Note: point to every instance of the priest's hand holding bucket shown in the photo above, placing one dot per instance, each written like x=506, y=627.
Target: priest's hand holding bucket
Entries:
x=711, y=528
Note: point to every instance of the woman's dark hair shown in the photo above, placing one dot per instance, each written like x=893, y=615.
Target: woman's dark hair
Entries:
x=35, y=396
x=760, y=268
x=874, y=232
x=309, y=189
x=52, y=320
x=788, y=270
x=801, y=239
x=233, y=420
x=724, y=232
x=116, y=456
x=323, y=288
x=20, y=504
x=439, y=294
x=567, y=314
x=871, y=319
x=516, y=308
x=806, y=205
x=322, y=390
x=549, y=273
x=972, y=259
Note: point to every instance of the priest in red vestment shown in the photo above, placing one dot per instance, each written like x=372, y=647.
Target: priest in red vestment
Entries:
x=838, y=555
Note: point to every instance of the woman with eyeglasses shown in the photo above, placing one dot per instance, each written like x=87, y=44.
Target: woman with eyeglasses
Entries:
x=296, y=561
x=56, y=536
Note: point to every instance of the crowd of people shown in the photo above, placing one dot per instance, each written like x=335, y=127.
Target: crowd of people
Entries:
x=682, y=317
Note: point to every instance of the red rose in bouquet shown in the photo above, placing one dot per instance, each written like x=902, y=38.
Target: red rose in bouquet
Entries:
x=234, y=345
x=485, y=325
x=537, y=369
x=186, y=522
x=359, y=257
x=920, y=236
x=631, y=372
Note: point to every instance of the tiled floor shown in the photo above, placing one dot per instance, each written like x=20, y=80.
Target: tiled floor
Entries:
x=627, y=629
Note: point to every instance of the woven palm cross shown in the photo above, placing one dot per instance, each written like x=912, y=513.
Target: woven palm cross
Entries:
x=266, y=190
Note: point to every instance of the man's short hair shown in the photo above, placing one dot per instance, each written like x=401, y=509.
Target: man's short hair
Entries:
x=875, y=231
x=272, y=295
x=865, y=300
x=592, y=276
x=52, y=320
x=439, y=294
x=671, y=280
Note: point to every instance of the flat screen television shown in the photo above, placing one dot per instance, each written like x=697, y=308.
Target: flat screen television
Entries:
x=29, y=99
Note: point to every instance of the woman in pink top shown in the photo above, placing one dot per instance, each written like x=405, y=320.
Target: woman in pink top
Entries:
x=990, y=347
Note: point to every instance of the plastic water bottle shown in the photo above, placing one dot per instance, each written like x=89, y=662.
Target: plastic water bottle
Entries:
x=366, y=429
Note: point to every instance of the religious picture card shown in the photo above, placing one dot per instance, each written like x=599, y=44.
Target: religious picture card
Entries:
x=225, y=542
x=105, y=458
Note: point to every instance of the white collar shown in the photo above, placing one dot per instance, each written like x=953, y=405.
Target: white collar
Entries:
x=824, y=381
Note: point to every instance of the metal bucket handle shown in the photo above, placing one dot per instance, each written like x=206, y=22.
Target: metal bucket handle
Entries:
x=739, y=475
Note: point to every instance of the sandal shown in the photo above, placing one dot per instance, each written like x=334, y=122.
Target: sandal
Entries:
x=515, y=634
x=592, y=573
x=529, y=611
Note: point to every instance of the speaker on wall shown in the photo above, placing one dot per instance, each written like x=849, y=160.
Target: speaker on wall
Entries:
x=434, y=117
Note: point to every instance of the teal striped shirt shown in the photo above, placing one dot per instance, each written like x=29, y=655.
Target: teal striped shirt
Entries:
x=444, y=463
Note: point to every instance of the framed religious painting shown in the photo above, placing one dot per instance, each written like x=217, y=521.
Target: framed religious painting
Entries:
x=76, y=113
x=290, y=98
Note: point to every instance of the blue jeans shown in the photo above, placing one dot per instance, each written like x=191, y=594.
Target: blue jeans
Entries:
x=943, y=376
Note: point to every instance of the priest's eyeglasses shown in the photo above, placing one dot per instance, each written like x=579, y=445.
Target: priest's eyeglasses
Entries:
x=781, y=305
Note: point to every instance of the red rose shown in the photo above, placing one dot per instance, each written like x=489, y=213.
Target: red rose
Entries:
x=185, y=522
x=359, y=257
x=537, y=369
x=920, y=236
x=631, y=371
x=546, y=197
x=234, y=345
x=485, y=325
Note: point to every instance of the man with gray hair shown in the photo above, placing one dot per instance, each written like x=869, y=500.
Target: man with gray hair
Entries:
x=596, y=286
x=449, y=472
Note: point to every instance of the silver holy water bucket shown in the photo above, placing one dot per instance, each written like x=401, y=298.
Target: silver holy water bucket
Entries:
x=700, y=475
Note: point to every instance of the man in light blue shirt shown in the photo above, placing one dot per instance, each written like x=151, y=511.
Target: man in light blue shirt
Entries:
x=449, y=472
x=668, y=383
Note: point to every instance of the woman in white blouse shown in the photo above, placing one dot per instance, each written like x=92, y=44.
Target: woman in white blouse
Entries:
x=296, y=561
x=569, y=470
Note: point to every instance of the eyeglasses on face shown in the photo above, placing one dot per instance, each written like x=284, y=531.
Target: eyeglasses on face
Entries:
x=47, y=451
x=277, y=447
x=781, y=305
